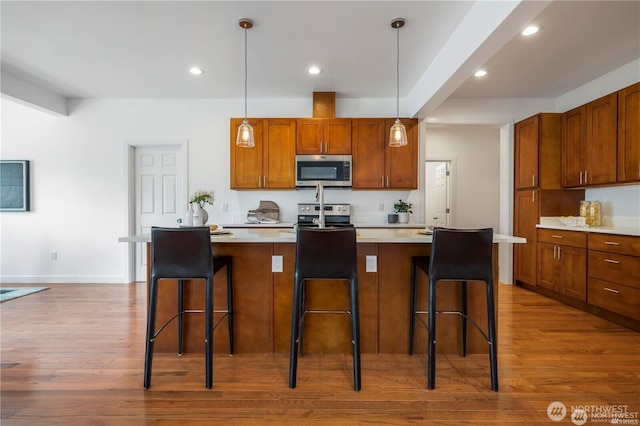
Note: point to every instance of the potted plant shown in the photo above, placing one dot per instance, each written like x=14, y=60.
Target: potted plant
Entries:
x=199, y=199
x=403, y=209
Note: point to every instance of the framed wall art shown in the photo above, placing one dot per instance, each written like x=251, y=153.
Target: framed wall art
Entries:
x=14, y=186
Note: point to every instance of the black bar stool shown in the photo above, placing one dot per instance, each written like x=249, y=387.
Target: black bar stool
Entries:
x=457, y=255
x=324, y=254
x=180, y=254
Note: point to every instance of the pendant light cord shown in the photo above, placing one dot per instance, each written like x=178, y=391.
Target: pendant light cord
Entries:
x=245, y=72
x=398, y=72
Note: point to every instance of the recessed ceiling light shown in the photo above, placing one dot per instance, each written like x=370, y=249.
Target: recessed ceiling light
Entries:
x=314, y=70
x=530, y=30
x=195, y=71
x=480, y=73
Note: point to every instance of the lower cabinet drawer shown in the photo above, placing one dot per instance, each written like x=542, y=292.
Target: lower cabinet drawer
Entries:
x=614, y=267
x=614, y=297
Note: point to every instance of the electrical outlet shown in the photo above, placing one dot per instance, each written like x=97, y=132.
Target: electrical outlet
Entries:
x=372, y=264
x=276, y=263
x=225, y=207
x=54, y=255
x=381, y=207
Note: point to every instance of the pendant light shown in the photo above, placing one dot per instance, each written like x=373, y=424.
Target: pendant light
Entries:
x=398, y=133
x=245, y=131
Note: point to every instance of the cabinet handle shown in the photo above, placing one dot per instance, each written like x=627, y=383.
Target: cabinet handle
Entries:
x=612, y=261
x=586, y=180
x=259, y=181
x=382, y=181
x=533, y=196
x=610, y=290
x=612, y=243
x=557, y=236
x=558, y=252
x=580, y=178
x=387, y=181
x=554, y=252
x=533, y=180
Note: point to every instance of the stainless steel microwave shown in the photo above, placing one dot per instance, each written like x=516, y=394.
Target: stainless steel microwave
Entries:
x=331, y=170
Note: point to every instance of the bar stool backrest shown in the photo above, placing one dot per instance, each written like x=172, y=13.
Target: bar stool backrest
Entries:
x=328, y=253
x=461, y=254
x=181, y=253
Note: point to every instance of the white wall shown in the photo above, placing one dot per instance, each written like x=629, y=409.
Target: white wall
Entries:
x=475, y=180
x=78, y=172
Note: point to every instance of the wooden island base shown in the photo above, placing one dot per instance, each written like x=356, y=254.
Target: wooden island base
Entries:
x=263, y=301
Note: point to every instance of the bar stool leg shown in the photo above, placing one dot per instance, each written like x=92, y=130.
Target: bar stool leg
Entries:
x=180, y=316
x=355, y=334
x=431, y=373
x=412, y=322
x=151, y=321
x=493, y=343
x=209, y=333
x=303, y=298
x=295, y=320
x=463, y=315
x=230, y=306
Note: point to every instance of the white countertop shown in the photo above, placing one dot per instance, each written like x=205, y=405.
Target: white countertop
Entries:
x=356, y=224
x=596, y=229
x=624, y=227
x=284, y=235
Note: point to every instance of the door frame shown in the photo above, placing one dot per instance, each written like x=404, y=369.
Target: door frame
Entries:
x=130, y=190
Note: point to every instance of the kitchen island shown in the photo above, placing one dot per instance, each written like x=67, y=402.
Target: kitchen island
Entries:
x=262, y=298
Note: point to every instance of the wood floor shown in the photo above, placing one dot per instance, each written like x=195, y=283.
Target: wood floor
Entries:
x=73, y=355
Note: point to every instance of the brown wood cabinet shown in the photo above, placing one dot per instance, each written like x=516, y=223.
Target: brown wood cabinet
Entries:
x=377, y=165
x=589, y=148
x=270, y=164
x=538, y=188
x=323, y=136
x=629, y=134
x=614, y=273
x=526, y=214
x=562, y=262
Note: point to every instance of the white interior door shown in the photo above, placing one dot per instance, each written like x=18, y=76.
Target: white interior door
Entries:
x=159, y=194
x=437, y=193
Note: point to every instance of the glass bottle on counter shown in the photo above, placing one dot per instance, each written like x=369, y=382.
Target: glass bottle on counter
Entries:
x=584, y=211
x=594, y=213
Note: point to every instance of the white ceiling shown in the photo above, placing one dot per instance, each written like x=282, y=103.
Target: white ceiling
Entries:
x=143, y=49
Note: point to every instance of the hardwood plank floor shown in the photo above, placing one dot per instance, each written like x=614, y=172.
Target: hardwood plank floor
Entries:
x=73, y=355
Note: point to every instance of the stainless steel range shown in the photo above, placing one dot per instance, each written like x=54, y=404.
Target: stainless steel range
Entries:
x=334, y=214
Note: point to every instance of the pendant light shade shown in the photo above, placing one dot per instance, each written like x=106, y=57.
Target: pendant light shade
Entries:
x=398, y=133
x=245, y=131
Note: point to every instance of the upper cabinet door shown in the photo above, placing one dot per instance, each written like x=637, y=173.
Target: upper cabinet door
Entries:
x=337, y=135
x=629, y=134
x=309, y=136
x=602, y=120
x=574, y=150
x=246, y=163
x=526, y=153
x=368, y=153
x=401, y=163
x=279, y=153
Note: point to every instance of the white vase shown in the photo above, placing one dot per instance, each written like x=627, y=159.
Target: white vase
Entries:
x=403, y=217
x=198, y=215
x=205, y=214
x=188, y=216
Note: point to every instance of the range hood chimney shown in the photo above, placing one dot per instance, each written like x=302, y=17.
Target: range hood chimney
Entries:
x=324, y=104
